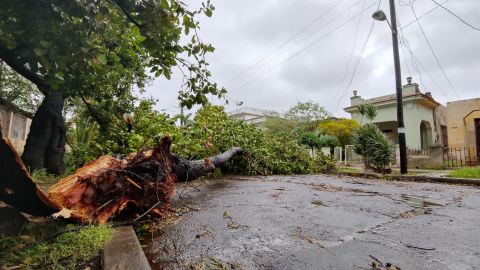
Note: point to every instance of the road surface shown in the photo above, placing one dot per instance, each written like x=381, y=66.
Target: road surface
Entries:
x=320, y=222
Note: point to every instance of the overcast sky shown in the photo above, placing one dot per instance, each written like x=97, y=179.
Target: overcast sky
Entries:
x=311, y=66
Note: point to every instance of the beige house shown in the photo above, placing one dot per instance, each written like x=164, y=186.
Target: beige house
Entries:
x=252, y=116
x=424, y=118
x=463, y=120
x=15, y=124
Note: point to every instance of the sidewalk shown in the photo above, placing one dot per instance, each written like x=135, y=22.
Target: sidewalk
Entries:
x=416, y=175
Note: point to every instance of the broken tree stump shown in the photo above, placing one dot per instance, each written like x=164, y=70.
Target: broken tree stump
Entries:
x=16, y=185
x=142, y=182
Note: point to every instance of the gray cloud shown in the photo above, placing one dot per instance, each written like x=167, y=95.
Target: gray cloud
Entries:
x=245, y=31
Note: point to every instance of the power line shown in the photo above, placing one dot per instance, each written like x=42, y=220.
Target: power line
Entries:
x=357, y=62
x=405, y=44
x=458, y=17
x=434, y=54
x=304, y=38
x=423, y=15
x=416, y=64
x=351, y=53
x=306, y=47
x=405, y=58
x=284, y=43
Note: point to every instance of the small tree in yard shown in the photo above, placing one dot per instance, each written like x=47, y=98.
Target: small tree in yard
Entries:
x=373, y=145
x=311, y=140
x=342, y=129
x=328, y=141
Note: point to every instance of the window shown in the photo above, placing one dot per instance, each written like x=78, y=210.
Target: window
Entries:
x=18, y=127
x=444, y=136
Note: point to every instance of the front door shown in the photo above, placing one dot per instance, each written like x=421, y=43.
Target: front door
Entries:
x=477, y=135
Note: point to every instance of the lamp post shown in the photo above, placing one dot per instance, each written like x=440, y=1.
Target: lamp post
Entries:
x=380, y=16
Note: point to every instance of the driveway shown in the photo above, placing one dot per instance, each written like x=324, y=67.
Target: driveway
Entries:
x=320, y=222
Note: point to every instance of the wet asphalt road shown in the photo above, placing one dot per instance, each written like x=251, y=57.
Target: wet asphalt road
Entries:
x=321, y=222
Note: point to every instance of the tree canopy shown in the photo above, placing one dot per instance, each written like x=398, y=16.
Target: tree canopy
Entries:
x=342, y=129
x=307, y=112
x=83, y=47
x=97, y=51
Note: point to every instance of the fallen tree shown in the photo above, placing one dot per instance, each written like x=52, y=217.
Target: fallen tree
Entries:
x=143, y=182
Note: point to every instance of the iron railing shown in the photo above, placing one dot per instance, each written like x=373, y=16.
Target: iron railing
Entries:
x=417, y=152
x=461, y=156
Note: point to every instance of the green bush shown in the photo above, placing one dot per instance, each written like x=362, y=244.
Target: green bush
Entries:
x=374, y=146
x=211, y=132
x=324, y=163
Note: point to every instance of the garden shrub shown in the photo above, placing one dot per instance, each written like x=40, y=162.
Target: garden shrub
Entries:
x=374, y=146
x=325, y=163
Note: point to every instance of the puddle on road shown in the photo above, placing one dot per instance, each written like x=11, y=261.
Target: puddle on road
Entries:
x=421, y=206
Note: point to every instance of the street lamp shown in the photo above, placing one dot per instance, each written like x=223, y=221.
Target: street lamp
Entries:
x=380, y=16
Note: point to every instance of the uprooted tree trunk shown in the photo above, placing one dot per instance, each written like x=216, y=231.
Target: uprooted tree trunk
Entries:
x=143, y=182
x=45, y=146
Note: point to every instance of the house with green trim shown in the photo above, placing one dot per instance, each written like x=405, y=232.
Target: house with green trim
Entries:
x=424, y=117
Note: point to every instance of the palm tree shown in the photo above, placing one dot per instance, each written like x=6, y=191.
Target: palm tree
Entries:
x=369, y=111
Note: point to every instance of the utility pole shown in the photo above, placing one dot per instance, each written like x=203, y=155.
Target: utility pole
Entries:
x=398, y=82
x=380, y=16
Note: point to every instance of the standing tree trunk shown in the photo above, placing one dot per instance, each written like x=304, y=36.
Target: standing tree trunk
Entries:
x=45, y=146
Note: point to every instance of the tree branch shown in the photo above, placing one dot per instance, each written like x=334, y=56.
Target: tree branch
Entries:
x=129, y=17
x=104, y=123
x=8, y=56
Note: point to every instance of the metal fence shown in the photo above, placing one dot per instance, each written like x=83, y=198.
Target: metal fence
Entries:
x=461, y=156
x=417, y=152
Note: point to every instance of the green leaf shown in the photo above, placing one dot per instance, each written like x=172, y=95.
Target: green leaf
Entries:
x=101, y=59
x=40, y=51
x=59, y=75
x=208, y=12
x=166, y=73
x=44, y=43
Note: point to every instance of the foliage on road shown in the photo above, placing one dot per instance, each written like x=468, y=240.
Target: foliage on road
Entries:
x=209, y=133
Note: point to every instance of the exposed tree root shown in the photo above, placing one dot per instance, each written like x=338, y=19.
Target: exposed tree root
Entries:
x=139, y=184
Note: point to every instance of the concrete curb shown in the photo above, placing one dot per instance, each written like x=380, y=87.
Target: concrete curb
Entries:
x=437, y=179
x=417, y=178
x=124, y=251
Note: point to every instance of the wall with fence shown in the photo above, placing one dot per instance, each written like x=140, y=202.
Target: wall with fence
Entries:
x=461, y=156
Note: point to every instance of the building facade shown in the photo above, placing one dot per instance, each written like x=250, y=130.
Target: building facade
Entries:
x=15, y=124
x=463, y=120
x=424, y=118
x=252, y=116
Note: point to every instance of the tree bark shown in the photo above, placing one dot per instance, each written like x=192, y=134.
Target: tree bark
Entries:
x=45, y=146
x=141, y=183
x=189, y=170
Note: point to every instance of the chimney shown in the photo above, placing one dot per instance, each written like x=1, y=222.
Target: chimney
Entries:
x=410, y=88
x=409, y=80
x=356, y=99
